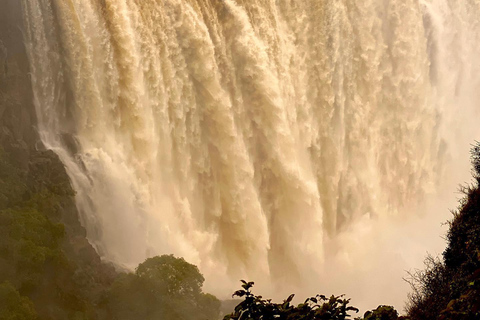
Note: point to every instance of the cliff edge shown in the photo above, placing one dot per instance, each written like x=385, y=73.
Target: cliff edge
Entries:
x=45, y=258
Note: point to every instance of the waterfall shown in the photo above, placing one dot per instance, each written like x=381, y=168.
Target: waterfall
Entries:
x=247, y=135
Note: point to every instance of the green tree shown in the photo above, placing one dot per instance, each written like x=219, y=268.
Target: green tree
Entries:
x=13, y=306
x=33, y=240
x=162, y=288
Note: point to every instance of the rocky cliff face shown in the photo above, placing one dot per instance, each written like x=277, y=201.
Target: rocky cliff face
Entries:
x=34, y=184
x=17, y=113
x=20, y=141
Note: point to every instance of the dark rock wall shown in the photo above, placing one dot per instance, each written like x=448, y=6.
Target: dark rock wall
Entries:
x=17, y=113
x=18, y=136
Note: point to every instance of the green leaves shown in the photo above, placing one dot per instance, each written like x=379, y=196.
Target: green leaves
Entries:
x=172, y=276
x=382, y=313
x=315, y=308
x=247, y=285
x=14, y=306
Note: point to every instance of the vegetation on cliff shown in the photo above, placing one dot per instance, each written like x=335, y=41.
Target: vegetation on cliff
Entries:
x=449, y=288
x=48, y=270
x=43, y=251
x=13, y=305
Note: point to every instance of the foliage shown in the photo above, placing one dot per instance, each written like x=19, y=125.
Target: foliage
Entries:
x=13, y=306
x=430, y=290
x=161, y=288
x=33, y=242
x=52, y=269
x=315, y=308
x=28, y=242
x=449, y=289
x=475, y=157
x=382, y=313
x=11, y=187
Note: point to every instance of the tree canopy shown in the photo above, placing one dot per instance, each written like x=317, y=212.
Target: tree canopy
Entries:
x=162, y=287
x=13, y=306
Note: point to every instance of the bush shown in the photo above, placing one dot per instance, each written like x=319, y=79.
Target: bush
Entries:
x=315, y=308
x=383, y=313
x=162, y=288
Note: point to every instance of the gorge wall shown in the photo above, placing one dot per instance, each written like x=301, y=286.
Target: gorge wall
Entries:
x=33, y=167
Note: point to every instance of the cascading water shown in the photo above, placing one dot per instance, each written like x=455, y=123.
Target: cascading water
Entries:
x=246, y=135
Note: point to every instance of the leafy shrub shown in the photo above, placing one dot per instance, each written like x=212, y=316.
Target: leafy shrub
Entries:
x=383, y=313
x=315, y=308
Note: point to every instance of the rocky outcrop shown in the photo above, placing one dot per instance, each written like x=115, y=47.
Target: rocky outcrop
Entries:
x=40, y=170
x=17, y=113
